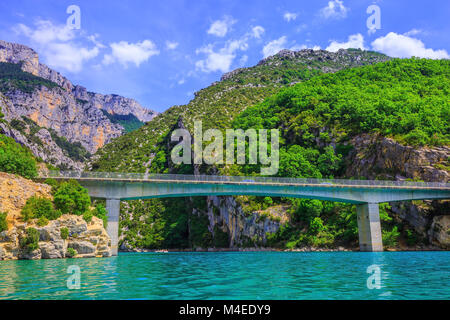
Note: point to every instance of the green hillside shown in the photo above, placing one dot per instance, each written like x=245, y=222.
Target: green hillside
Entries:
x=218, y=104
x=403, y=99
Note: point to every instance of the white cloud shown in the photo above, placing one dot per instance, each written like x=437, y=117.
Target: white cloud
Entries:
x=413, y=32
x=125, y=53
x=222, y=59
x=243, y=60
x=402, y=46
x=304, y=46
x=171, y=45
x=258, y=31
x=288, y=16
x=354, y=41
x=334, y=10
x=59, y=46
x=220, y=28
x=274, y=46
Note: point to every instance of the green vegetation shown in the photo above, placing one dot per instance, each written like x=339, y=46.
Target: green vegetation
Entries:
x=129, y=121
x=13, y=78
x=30, y=241
x=29, y=129
x=403, y=99
x=64, y=233
x=42, y=221
x=16, y=159
x=71, y=252
x=36, y=208
x=100, y=212
x=70, y=197
x=3, y=223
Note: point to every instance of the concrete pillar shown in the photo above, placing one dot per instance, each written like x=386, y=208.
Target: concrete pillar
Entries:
x=369, y=227
x=113, y=208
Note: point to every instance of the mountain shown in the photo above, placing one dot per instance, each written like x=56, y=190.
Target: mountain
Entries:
x=350, y=114
x=60, y=122
x=218, y=104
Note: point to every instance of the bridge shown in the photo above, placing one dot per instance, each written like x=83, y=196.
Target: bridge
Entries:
x=365, y=194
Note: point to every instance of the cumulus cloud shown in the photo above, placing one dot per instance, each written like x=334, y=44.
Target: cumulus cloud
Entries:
x=258, y=31
x=304, y=46
x=290, y=16
x=274, y=46
x=334, y=10
x=220, y=28
x=60, y=47
x=403, y=46
x=354, y=41
x=125, y=53
x=171, y=45
x=220, y=60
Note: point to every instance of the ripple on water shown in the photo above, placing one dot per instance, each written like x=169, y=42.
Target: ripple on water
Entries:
x=233, y=275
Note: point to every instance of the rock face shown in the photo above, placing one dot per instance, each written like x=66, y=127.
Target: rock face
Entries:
x=376, y=157
x=71, y=111
x=88, y=239
x=14, y=192
x=243, y=230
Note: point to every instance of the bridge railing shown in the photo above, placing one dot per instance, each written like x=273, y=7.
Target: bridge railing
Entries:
x=210, y=178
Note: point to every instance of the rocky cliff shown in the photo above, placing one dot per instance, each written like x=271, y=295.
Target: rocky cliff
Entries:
x=69, y=110
x=87, y=239
x=377, y=157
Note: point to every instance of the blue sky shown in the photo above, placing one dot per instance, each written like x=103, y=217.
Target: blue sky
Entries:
x=161, y=52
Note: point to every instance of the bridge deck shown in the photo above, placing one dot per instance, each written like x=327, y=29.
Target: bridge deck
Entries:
x=238, y=180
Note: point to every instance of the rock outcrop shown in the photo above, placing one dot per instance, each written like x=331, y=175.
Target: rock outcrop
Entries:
x=14, y=192
x=89, y=240
x=380, y=157
x=71, y=111
x=377, y=157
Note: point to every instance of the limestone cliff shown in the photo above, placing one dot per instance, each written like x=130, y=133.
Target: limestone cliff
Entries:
x=69, y=110
x=377, y=157
x=88, y=239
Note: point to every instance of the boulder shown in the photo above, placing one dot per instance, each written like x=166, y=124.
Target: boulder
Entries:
x=82, y=247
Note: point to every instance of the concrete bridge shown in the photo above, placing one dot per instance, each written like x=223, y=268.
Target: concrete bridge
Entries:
x=365, y=194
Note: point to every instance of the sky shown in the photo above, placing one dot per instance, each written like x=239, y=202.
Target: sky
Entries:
x=161, y=52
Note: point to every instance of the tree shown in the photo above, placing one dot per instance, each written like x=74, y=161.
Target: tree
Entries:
x=72, y=198
x=16, y=159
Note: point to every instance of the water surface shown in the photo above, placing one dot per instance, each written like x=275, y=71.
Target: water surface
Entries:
x=233, y=275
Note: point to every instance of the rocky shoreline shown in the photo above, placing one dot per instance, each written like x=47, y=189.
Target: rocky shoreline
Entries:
x=79, y=240
x=262, y=249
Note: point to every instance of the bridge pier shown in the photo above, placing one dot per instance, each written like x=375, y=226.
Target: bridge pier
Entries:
x=369, y=227
x=113, y=208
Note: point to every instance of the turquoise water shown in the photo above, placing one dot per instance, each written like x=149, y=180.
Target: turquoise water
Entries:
x=233, y=275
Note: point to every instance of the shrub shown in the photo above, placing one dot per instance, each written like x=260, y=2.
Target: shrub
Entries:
x=3, y=223
x=316, y=225
x=64, y=233
x=42, y=221
x=390, y=238
x=37, y=207
x=31, y=241
x=16, y=159
x=72, y=198
x=87, y=216
x=101, y=213
x=71, y=252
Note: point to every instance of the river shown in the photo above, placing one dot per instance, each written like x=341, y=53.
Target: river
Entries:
x=232, y=275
